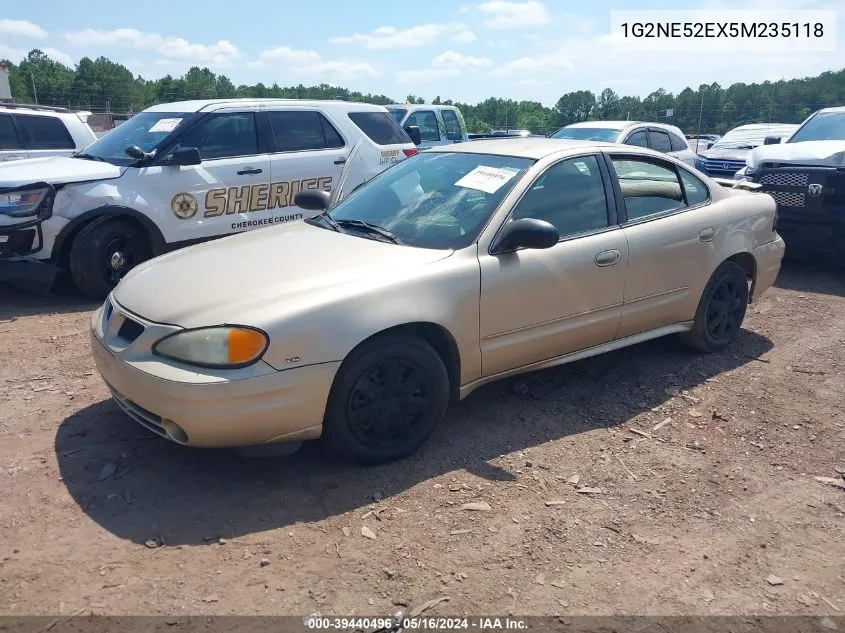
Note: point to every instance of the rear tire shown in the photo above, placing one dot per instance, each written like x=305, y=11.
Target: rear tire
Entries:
x=720, y=311
x=103, y=252
x=387, y=398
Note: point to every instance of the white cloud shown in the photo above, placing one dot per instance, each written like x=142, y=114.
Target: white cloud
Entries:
x=389, y=37
x=464, y=37
x=426, y=75
x=534, y=65
x=59, y=56
x=502, y=14
x=22, y=28
x=312, y=63
x=445, y=65
x=451, y=59
x=222, y=53
x=14, y=55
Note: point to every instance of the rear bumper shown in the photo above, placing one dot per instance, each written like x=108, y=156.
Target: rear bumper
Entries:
x=768, y=258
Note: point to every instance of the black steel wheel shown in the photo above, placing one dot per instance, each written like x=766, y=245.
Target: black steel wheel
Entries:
x=386, y=400
x=721, y=309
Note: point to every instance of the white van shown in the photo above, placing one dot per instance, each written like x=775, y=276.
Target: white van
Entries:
x=181, y=173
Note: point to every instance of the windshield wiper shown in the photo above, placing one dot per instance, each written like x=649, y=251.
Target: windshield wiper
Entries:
x=324, y=219
x=373, y=229
x=88, y=156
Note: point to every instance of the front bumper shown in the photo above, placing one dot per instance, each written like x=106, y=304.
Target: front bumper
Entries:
x=207, y=408
x=768, y=258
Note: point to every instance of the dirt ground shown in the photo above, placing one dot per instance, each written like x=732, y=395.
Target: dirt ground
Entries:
x=646, y=481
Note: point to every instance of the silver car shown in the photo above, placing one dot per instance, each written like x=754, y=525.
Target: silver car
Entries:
x=663, y=138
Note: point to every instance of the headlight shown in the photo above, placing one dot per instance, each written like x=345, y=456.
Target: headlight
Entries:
x=21, y=203
x=222, y=346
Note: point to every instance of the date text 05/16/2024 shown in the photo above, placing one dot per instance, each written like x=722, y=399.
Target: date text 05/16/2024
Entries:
x=407, y=623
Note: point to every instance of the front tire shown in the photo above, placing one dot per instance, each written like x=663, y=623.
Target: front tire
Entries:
x=388, y=397
x=103, y=252
x=721, y=310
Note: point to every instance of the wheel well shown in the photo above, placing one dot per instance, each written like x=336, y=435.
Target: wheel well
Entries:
x=749, y=265
x=63, y=260
x=443, y=343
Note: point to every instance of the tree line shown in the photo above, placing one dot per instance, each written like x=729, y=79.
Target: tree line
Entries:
x=102, y=85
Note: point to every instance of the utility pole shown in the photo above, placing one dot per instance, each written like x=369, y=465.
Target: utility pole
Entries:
x=700, y=112
x=34, y=92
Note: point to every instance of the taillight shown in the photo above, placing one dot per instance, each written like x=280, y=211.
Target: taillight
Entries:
x=410, y=152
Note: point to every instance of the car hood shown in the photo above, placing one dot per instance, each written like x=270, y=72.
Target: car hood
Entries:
x=55, y=170
x=820, y=153
x=724, y=154
x=255, y=277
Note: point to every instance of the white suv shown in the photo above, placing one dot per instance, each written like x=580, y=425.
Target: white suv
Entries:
x=32, y=131
x=660, y=137
x=181, y=173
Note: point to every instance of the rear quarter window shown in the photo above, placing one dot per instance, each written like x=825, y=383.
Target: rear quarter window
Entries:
x=678, y=144
x=380, y=128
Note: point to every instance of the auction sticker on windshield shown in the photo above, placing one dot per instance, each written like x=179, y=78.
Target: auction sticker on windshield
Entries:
x=165, y=125
x=486, y=179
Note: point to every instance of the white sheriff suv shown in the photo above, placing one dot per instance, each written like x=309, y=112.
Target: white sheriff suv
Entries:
x=34, y=131
x=181, y=173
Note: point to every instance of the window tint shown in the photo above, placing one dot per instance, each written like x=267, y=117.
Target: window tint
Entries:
x=379, y=128
x=453, y=126
x=659, y=141
x=638, y=138
x=296, y=131
x=427, y=122
x=695, y=189
x=223, y=136
x=42, y=132
x=570, y=195
x=8, y=134
x=678, y=144
x=648, y=188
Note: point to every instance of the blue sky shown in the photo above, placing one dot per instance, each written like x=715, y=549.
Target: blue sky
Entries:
x=465, y=50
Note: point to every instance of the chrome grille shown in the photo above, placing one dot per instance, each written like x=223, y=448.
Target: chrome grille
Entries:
x=787, y=199
x=785, y=179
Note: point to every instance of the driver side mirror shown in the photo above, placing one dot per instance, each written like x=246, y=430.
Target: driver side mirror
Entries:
x=312, y=200
x=772, y=140
x=183, y=156
x=414, y=132
x=525, y=233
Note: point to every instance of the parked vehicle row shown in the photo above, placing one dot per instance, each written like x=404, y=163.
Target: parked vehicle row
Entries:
x=459, y=266
x=181, y=173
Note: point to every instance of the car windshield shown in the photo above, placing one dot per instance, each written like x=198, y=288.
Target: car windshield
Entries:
x=434, y=200
x=749, y=138
x=146, y=130
x=398, y=114
x=825, y=126
x=604, y=134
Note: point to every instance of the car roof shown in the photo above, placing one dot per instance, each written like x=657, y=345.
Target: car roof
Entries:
x=528, y=147
x=199, y=105
x=836, y=109
x=613, y=125
x=421, y=105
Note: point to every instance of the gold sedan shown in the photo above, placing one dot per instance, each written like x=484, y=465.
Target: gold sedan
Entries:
x=459, y=266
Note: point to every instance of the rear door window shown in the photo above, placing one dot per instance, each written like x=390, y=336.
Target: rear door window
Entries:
x=380, y=128
x=9, y=138
x=659, y=141
x=300, y=130
x=43, y=132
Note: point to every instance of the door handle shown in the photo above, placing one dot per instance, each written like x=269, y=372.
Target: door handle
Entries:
x=340, y=161
x=707, y=234
x=607, y=258
x=249, y=170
